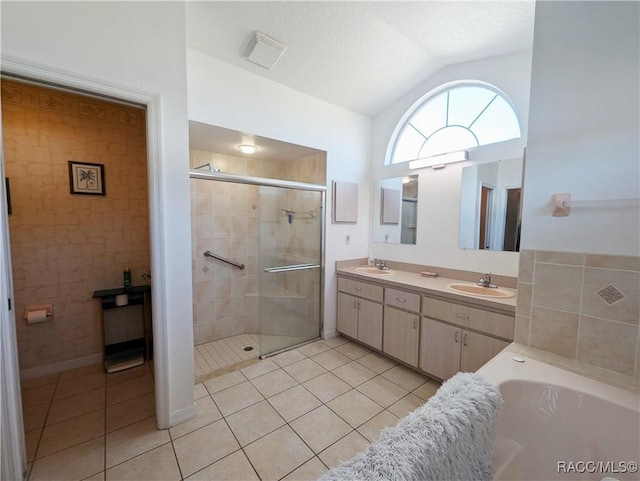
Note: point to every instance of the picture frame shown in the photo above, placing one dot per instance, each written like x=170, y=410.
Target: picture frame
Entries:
x=86, y=178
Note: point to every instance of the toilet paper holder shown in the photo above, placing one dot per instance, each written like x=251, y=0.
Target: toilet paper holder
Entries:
x=48, y=308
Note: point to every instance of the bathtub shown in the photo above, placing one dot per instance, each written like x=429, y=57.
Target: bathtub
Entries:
x=557, y=425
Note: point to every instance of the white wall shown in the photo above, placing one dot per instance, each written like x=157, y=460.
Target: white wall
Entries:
x=583, y=127
x=223, y=95
x=439, y=190
x=137, y=47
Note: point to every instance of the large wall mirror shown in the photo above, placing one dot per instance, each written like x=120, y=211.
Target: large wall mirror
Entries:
x=490, y=198
x=395, y=210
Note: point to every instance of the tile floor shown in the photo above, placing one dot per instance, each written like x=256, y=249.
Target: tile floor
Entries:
x=290, y=417
x=214, y=355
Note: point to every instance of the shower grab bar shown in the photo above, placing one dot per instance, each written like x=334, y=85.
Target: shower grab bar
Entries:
x=224, y=259
x=293, y=267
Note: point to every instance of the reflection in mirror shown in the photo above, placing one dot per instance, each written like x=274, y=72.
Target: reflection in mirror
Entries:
x=490, y=206
x=395, y=210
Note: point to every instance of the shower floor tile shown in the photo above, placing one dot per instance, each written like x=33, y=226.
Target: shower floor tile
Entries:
x=215, y=355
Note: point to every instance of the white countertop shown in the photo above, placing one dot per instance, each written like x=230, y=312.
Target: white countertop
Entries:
x=436, y=286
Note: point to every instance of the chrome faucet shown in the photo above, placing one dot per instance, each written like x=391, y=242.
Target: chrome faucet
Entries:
x=379, y=263
x=486, y=281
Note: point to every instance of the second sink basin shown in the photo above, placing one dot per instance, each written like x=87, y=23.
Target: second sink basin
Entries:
x=476, y=290
x=374, y=271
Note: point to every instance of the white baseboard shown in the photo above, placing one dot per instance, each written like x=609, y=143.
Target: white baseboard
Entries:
x=182, y=415
x=330, y=334
x=60, y=366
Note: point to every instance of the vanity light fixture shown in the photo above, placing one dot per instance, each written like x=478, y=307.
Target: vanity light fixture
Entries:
x=439, y=161
x=247, y=149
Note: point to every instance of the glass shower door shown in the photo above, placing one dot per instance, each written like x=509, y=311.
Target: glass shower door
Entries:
x=290, y=267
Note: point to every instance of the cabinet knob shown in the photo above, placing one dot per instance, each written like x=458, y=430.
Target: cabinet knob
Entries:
x=359, y=305
x=464, y=340
x=357, y=289
x=400, y=299
x=462, y=316
x=457, y=336
x=415, y=323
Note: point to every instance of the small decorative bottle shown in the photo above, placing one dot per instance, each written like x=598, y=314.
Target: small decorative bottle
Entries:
x=127, y=278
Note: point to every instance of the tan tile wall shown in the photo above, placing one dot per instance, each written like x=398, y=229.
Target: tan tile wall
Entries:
x=581, y=306
x=66, y=246
x=245, y=224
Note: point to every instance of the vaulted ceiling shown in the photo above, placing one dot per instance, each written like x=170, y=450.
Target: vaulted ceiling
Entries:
x=361, y=55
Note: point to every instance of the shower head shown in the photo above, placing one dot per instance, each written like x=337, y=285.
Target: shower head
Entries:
x=210, y=167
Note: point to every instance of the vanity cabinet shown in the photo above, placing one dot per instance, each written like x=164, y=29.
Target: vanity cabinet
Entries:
x=447, y=349
x=455, y=344
x=436, y=335
x=401, y=338
x=360, y=318
x=402, y=325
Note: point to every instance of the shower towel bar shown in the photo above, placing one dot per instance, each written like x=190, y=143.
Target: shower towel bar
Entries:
x=224, y=259
x=294, y=267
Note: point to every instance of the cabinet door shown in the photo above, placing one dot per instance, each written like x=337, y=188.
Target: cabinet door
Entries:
x=347, y=322
x=401, y=335
x=440, y=348
x=370, y=323
x=477, y=349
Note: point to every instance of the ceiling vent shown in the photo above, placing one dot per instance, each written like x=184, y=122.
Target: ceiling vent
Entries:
x=264, y=51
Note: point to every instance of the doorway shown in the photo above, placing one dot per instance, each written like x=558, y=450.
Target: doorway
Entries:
x=512, y=221
x=76, y=166
x=485, y=217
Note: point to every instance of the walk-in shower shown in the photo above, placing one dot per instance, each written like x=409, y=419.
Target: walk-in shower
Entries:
x=257, y=265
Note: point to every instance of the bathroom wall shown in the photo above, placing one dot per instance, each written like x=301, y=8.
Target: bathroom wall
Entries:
x=245, y=224
x=223, y=95
x=66, y=246
x=93, y=40
x=579, y=280
x=583, y=127
x=439, y=190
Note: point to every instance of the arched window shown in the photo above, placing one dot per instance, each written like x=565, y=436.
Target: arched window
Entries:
x=458, y=118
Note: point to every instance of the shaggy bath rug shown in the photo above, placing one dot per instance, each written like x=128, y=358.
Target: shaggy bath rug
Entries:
x=448, y=438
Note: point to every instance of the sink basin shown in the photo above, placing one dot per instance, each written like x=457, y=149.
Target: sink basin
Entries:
x=374, y=271
x=476, y=290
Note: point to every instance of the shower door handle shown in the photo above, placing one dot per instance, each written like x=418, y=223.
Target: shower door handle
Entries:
x=293, y=267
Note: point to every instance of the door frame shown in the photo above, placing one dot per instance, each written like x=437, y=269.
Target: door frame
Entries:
x=29, y=71
x=12, y=443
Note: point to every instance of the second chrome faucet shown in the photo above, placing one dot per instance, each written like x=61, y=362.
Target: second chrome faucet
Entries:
x=486, y=281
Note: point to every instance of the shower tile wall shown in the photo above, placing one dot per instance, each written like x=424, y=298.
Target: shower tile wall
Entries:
x=581, y=306
x=66, y=246
x=227, y=219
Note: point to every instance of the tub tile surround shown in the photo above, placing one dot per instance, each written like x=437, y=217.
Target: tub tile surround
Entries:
x=582, y=307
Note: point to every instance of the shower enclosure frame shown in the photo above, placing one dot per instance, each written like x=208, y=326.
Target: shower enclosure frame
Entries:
x=286, y=184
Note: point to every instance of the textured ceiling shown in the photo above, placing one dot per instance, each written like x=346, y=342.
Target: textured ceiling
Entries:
x=224, y=141
x=361, y=55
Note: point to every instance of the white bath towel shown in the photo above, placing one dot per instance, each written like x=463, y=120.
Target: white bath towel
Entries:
x=448, y=438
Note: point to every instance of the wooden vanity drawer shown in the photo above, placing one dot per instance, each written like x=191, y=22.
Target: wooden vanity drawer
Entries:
x=360, y=289
x=486, y=321
x=402, y=299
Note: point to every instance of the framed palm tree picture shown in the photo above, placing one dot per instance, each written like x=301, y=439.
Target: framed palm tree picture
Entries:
x=86, y=178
